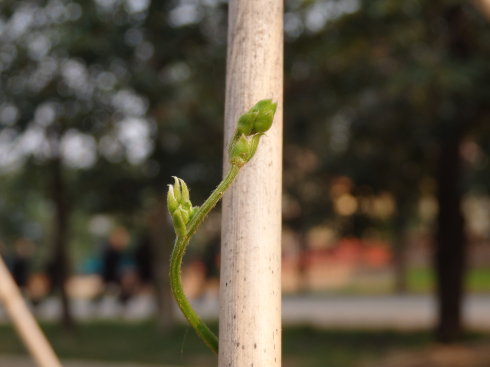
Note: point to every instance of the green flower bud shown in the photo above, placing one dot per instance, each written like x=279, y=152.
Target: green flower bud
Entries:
x=258, y=119
x=240, y=151
x=265, y=111
x=179, y=205
x=246, y=123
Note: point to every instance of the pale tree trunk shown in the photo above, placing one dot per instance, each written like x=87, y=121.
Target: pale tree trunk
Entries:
x=24, y=322
x=250, y=284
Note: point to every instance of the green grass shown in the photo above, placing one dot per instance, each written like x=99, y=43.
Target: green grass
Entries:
x=118, y=342
x=142, y=342
x=421, y=280
x=309, y=347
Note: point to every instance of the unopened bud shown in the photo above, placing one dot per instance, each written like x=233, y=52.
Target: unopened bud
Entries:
x=179, y=205
x=246, y=123
x=265, y=111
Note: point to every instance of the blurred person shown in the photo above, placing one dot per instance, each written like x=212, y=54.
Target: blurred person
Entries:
x=115, y=269
x=34, y=285
x=38, y=287
x=20, y=262
x=143, y=256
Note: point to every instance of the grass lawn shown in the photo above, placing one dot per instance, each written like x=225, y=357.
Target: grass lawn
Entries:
x=419, y=280
x=422, y=280
x=141, y=342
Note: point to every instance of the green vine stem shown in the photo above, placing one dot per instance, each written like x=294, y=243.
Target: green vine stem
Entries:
x=187, y=219
x=176, y=262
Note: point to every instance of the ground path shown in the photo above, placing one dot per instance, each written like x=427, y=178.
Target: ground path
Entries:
x=391, y=311
x=387, y=311
x=11, y=361
x=404, y=312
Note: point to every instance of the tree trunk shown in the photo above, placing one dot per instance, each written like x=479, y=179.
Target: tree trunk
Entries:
x=250, y=284
x=450, y=253
x=60, y=259
x=400, y=263
x=400, y=248
x=303, y=266
x=161, y=246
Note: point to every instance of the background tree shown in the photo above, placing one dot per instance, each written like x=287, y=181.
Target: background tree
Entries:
x=414, y=70
x=76, y=81
x=107, y=101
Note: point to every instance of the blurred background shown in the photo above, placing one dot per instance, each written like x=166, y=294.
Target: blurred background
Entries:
x=386, y=206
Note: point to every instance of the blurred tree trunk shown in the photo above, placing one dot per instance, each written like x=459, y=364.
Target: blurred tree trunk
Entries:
x=451, y=243
x=303, y=278
x=450, y=253
x=400, y=247
x=60, y=259
x=161, y=239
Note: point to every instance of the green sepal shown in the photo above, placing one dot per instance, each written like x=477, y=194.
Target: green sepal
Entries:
x=179, y=223
x=254, y=144
x=185, y=192
x=240, y=151
x=177, y=190
x=172, y=203
x=193, y=212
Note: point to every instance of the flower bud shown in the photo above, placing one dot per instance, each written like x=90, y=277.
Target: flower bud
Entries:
x=258, y=119
x=265, y=111
x=246, y=123
x=179, y=205
x=251, y=125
